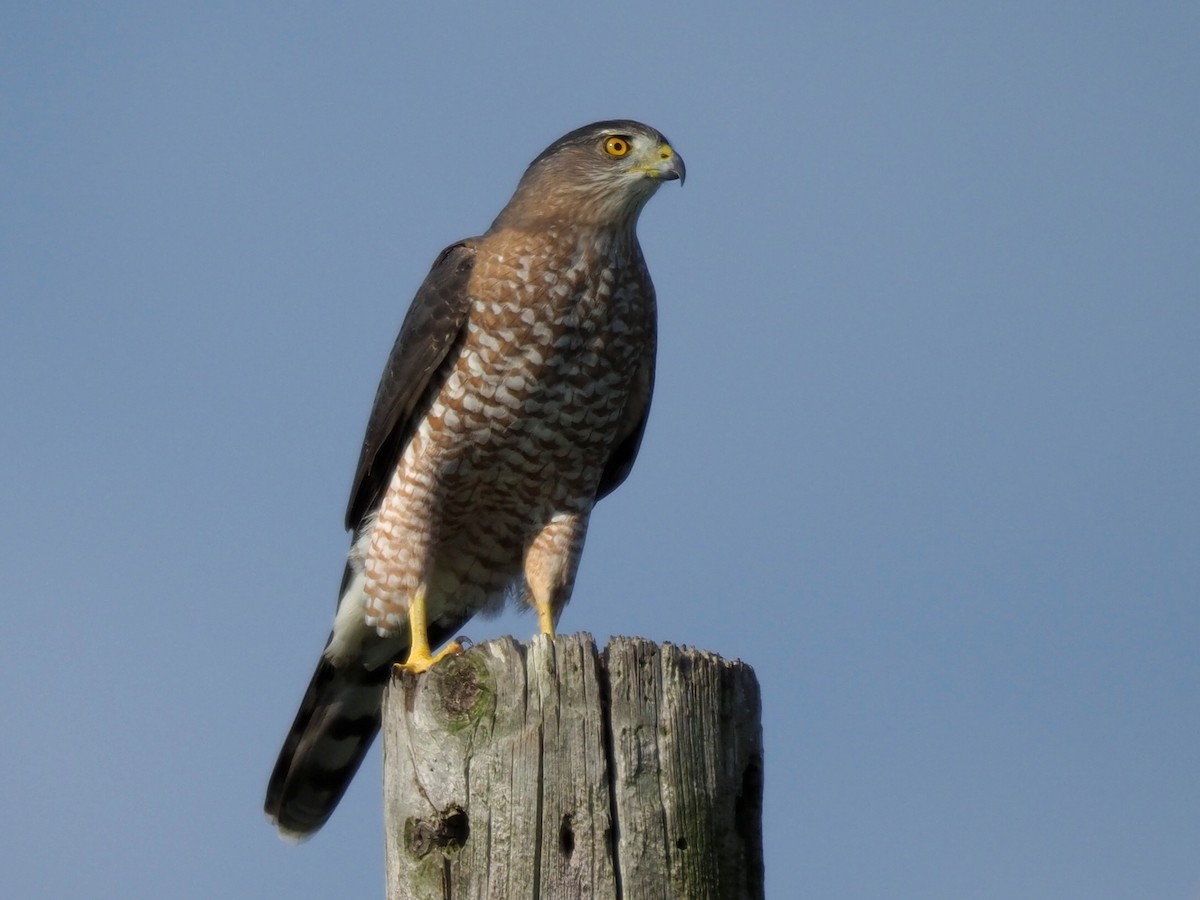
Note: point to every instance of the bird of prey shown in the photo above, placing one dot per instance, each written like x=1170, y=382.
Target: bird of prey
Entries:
x=515, y=397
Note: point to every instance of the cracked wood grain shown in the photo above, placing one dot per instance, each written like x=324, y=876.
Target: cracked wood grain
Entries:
x=553, y=771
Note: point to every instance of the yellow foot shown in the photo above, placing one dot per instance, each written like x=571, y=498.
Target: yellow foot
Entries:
x=422, y=660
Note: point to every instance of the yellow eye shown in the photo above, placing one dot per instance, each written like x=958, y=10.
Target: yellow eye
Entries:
x=616, y=146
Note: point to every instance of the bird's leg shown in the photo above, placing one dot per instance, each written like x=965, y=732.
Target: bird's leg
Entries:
x=550, y=564
x=545, y=614
x=420, y=659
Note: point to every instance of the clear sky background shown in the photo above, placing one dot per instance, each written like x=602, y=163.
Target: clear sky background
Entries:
x=924, y=448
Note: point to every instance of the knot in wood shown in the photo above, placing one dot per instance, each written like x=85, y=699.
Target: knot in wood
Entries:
x=460, y=690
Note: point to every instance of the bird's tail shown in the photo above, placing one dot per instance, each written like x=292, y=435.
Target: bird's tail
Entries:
x=334, y=727
x=337, y=721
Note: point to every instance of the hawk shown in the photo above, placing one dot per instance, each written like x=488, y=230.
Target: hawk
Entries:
x=515, y=397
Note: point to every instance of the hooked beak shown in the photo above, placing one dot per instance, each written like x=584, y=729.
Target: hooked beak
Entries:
x=670, y=164
x=662, y=164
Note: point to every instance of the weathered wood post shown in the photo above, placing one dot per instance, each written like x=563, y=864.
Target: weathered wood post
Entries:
x=551, y=771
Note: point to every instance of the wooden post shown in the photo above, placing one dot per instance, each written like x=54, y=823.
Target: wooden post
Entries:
x=550, y=771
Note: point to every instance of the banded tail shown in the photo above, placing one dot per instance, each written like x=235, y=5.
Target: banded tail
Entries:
x=333, y=730
x=334, y=727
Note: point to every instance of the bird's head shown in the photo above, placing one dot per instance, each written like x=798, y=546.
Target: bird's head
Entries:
x=600, y=175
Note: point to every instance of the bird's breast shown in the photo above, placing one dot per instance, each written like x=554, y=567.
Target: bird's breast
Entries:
x=550, y=356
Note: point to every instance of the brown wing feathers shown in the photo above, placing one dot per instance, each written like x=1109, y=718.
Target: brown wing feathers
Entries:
x=427, y=338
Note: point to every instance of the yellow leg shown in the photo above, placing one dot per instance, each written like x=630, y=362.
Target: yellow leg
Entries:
x=420, y=659
x=545, y=617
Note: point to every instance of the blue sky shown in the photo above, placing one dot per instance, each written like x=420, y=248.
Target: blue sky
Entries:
x=923, y=450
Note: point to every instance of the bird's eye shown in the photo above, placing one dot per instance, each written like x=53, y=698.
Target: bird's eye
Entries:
x=616, y=146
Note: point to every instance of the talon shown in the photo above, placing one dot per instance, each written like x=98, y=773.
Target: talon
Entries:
x=419, y=658
x=419, y=662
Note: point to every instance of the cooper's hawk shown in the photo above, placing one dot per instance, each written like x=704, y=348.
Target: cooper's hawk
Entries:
x=514, y=398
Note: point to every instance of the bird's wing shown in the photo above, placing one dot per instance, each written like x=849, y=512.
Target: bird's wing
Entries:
x=625, y=451
x=431, y=331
